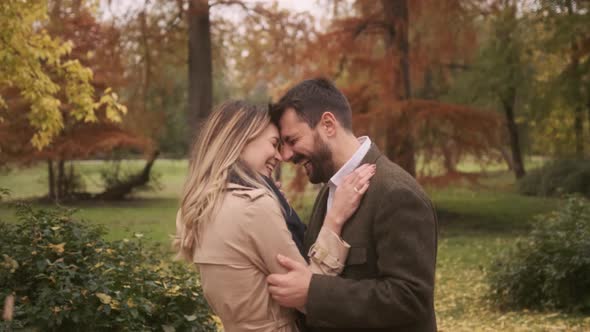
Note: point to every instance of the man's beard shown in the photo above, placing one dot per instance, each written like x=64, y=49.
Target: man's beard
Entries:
x=322, y=165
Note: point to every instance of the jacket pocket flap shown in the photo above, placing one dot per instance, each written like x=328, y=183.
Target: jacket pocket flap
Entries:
x=357, y=255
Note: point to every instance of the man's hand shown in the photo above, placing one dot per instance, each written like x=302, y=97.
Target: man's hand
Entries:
x=290, y=289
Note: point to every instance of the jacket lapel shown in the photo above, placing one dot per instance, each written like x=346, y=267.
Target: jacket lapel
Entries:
x=317, y=218
x=319, y=209
x=372, y=155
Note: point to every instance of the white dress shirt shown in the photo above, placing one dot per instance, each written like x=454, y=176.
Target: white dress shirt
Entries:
x=348, y=167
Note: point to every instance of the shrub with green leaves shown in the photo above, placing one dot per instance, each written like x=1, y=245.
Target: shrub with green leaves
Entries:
x=558, y=178
x=65, y=277
x=550, y=268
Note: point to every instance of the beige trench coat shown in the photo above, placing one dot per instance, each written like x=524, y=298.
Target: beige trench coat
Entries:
x=238, y=251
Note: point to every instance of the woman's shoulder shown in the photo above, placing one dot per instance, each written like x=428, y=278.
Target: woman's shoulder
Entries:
x=252, y=204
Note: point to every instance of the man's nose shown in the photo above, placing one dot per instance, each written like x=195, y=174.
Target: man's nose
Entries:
x=286, y=153
x=278, y=155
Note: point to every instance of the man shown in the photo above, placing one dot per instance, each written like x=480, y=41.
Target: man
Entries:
x=388, y=280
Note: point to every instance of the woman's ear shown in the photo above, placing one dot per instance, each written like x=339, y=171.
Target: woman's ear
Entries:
x=328, y=124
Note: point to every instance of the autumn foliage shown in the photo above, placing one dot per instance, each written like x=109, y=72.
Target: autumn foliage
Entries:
x=95, y=47
x=392, y=72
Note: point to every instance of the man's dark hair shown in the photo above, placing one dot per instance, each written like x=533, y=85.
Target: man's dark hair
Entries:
x=310, y=99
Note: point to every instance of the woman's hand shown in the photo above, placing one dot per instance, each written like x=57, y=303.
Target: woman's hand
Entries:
x=347, y=197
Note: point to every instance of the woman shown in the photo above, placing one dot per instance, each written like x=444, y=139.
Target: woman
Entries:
x=232, y=226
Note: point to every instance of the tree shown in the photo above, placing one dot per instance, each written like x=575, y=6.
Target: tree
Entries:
x=381, y=62
x=501, y=75
x=31, y=62
x=95, y=48
x=163, y=102
x=566, y=34
x=200, y=85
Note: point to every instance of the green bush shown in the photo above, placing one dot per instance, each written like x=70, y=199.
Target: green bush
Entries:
x=549, y=269
x=65, y=277
x=557, y=178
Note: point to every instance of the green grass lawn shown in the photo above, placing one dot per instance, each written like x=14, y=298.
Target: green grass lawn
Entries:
x=476, y=223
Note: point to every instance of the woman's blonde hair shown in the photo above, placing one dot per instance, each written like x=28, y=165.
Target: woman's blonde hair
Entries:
x=214, y=158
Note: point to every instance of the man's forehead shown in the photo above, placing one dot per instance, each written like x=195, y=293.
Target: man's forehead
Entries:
x=287, y=131
x=290, y=123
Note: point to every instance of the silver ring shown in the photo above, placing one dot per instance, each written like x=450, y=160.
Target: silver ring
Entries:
x=356, y=190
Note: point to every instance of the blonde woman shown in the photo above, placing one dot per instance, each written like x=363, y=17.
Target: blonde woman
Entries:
x=232, y=225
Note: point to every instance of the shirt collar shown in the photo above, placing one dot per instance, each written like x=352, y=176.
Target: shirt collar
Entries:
x=353, y=162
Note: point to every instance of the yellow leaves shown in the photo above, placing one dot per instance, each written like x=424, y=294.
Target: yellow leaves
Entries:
x=58, y=248
x=115, y=305
x=46, y=117
x=461, y=288
x=130, y=303
x=9, y=263
x=218, y=322
x=114, y=110
x=104, y=298
x=31, y=61
x=190, y=318
x=174, y=291
x=108, y=300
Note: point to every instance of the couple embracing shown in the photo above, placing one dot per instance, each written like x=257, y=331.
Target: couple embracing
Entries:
x=365, y=260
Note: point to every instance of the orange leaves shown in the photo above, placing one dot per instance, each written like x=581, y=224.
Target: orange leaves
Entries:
x=79, y=142
x=443, y=133
x=91, y=139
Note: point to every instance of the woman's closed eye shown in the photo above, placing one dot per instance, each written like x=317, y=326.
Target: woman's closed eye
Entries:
x=276, y=143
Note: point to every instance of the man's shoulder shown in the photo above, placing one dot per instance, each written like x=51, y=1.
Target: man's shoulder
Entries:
x=392, y=180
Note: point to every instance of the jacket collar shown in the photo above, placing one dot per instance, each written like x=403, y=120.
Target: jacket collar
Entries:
x=372, y=155
x=246, y=192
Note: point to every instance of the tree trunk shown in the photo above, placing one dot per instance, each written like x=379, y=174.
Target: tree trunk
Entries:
x=400, y=143
x=513, y=136
x=55, y=11
x=507, y=158
x=200, y=94
x=579, y=131
x=578, y=111
x=588, y=109
x=51, y=179
x=60, y=180
x=71, y=182
x=120, y=191
x=76, y=6
x=507, y=95
x=147, y=58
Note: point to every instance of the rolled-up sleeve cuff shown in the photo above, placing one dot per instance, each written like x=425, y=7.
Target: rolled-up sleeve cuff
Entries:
x=328, y=253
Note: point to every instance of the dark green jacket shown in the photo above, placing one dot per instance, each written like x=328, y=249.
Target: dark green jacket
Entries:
x=388, y=281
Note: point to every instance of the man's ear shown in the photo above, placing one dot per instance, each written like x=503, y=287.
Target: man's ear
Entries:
x=328, y=124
